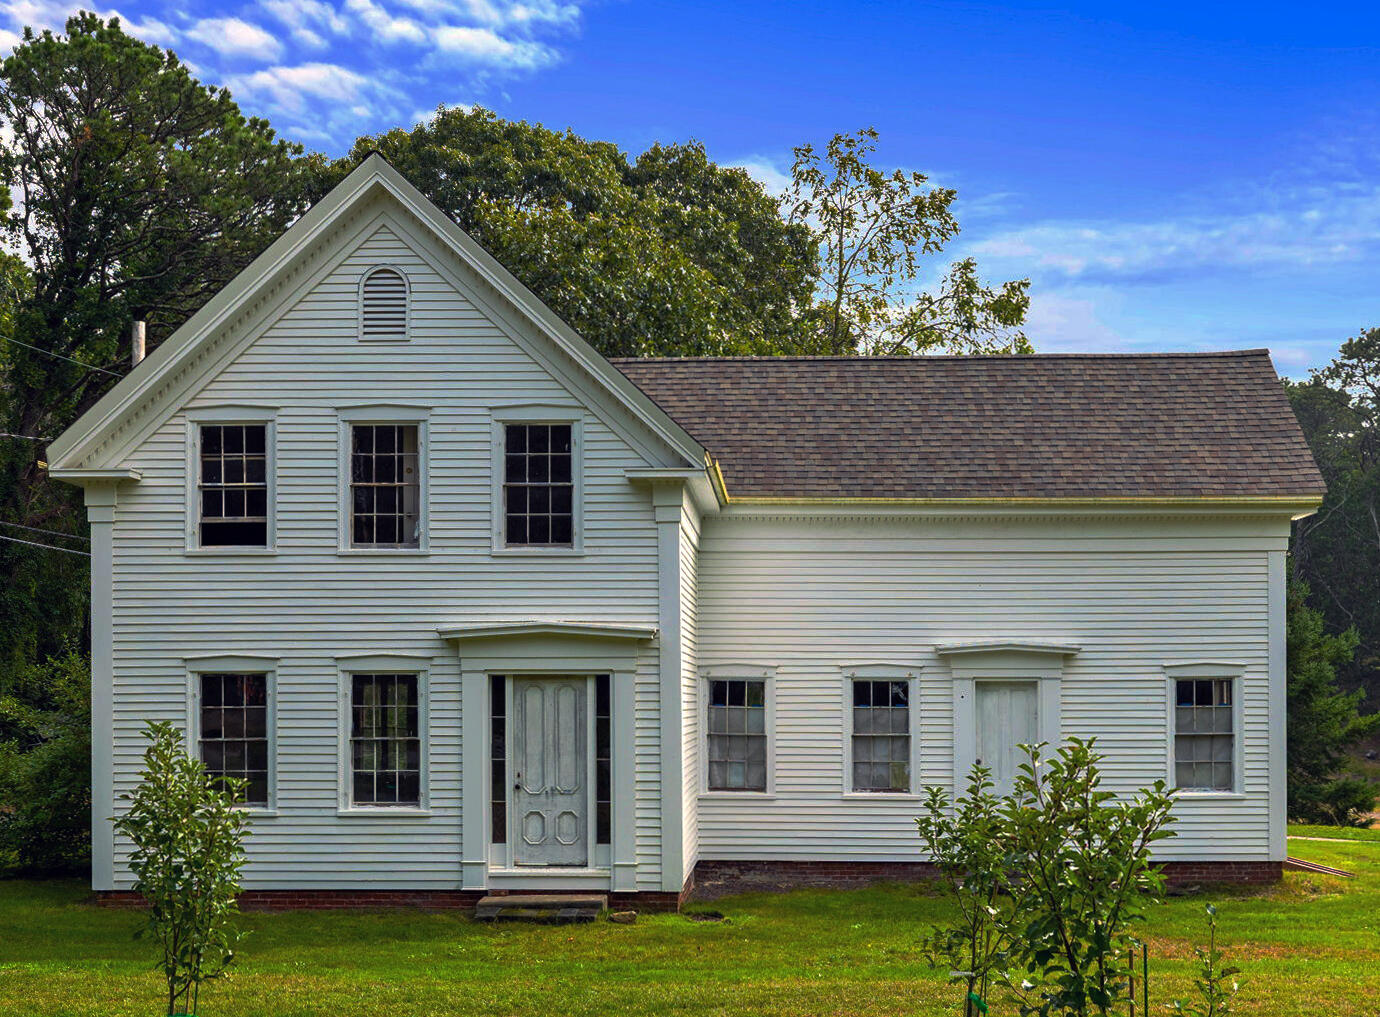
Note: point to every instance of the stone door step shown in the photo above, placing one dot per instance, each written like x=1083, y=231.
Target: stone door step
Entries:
x=546, y=908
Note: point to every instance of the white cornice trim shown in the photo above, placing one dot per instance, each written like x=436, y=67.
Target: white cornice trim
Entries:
x=82, y=477
x=1006, y=646
x=546, y=627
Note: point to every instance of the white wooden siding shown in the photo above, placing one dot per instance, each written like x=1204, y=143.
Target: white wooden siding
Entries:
x=309, y=602
x=811, y=595
x=690, y=685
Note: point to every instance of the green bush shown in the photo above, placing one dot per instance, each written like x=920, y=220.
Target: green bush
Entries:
x=45, y=767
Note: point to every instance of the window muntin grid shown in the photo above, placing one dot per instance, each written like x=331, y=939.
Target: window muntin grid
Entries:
x=385, y=741
x=385, y=485
x=538, y=485
x=737, y=732
x=232, y=485
x=1204, y=734
x=233, y=735
x=881, y=736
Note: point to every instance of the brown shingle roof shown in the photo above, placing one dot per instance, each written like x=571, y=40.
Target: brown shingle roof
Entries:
x=1044, y=426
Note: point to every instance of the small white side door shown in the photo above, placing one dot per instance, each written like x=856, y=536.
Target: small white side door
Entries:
x=1007, y=715
x=550, y=764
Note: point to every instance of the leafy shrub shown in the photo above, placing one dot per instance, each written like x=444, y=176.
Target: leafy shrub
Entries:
x=1215, y=993
x=188, y=852
x=45, y=767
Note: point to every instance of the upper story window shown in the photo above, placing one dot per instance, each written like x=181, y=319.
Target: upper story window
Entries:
x=232, y=485
x=538, y=485
x=385, y=485
x=1204, y=734
x=233, y=731
x=737, y=734
x=881, y=736
x=383, y=306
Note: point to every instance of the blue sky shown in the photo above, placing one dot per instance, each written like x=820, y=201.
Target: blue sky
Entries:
x=1170, y=176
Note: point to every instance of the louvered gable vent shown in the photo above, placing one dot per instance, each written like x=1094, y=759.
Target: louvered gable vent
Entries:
x=384, y=311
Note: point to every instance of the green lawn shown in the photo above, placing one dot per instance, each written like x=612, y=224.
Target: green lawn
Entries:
x=1310, y=946
x=1333, y=832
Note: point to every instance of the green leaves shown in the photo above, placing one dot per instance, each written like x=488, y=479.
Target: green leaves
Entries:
x=187, y=855
x=873, y=230
x=1214, y=983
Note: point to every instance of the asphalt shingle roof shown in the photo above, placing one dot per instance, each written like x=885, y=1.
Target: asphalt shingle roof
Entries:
x=1042, y=426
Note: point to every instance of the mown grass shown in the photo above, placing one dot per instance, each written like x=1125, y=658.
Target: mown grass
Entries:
x=1333, y=832
x=1309, y=947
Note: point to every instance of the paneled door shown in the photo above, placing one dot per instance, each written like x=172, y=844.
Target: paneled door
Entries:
x=1007, y=715
x=550, y=767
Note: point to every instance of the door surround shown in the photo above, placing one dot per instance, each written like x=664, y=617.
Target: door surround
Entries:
x=548, y=647
x=1005, y=660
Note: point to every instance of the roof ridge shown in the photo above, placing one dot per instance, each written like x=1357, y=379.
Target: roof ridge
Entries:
x=1019, y=357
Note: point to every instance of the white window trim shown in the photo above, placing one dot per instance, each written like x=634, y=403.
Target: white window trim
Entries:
x=381, y=413
x=407, y=305
x=383, y=663
x=229, y=414
x=230, y=664
x=1206, y=670
x=537, y=413
x=741, y=672
x=880, y=672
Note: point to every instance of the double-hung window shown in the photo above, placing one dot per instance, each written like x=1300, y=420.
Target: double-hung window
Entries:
x=385, y=757
x=233, y=731
x=737, y=734
x=385, y=485
x=1204, y=734
x=538, y=485
x=232, y=485
x=881, y=736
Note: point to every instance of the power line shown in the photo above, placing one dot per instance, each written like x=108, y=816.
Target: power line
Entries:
x=50, y=547
x=71, y=360
x=51, y=533
x=25, y=437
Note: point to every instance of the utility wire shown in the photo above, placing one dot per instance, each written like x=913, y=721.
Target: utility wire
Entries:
x=51, y=533
x=25, y=437
x=50, y=547
x=79, y=363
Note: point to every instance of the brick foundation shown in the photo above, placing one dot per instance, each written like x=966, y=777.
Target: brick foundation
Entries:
x=710, y=880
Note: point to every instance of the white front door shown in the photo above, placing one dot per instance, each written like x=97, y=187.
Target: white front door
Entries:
x=550, y=766
x=1007, y=715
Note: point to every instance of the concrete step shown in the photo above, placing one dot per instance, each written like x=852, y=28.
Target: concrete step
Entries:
x=544, y=908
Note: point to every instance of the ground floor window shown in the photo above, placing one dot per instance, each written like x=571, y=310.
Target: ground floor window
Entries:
x=498, y=760
x=737, y=734
x=1204, y=734
x=881, y=736
x=603, y=761
x=234, y=731
x=385, y=740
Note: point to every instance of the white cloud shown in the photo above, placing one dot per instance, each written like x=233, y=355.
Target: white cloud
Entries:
x=53, y=14
x=766, y=172
x=487, y=48
x=307, y=20
x=386, y=27
x=288, y=88
x=236, y=38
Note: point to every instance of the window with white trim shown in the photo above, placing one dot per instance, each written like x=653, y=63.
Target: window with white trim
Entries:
x=737, y=734
x=232, y=485
x=1204, y=734
x=383, y=306
x=385, y=485
x=538, y=485
x=880, y=746
x=233, y=736
x=385, y=740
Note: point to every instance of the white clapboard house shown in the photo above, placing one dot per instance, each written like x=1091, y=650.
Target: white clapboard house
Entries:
x=474, y=609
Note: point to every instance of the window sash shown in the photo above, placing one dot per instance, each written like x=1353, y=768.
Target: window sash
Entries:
x=233, y=731
x=385, y=485
x=881, y=743
x=1204, y=749
x=232, y=485
x=539, y=485
x=736, y=731
x=385, y=740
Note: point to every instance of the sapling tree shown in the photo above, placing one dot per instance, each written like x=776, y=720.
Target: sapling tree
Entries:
x=1215, y=984
x=1081, y=877
x=964, y=839
x=188, y=852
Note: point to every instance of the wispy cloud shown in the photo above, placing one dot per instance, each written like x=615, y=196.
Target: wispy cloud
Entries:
x=290, y=89
x=233, y=37
x=766, y=171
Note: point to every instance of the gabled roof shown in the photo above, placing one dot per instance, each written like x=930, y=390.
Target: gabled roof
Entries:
x=1106, y=426
x=189, y=355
